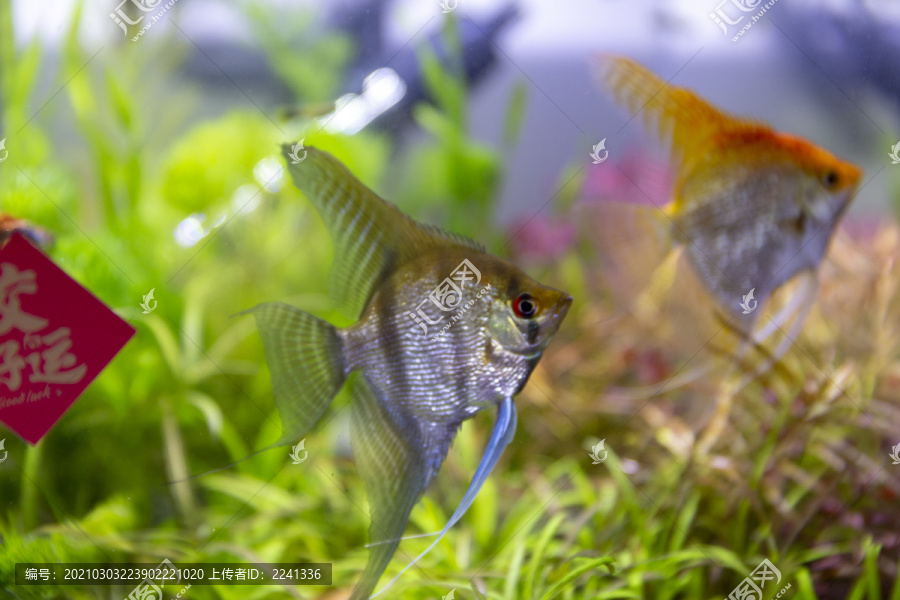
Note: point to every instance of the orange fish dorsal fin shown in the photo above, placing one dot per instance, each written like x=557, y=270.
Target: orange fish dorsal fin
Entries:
x=371, y=237
x=681, y=117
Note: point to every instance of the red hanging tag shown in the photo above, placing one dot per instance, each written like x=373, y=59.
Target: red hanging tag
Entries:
x=55, y=338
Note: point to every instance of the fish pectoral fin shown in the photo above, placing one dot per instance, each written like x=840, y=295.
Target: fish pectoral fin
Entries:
x=501, y=436
x=371, y=236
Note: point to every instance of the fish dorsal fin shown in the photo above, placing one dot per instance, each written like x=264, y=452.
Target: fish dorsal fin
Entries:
x=680, y=117
x=371, y=237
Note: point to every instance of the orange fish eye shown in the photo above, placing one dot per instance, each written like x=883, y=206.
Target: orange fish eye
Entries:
x=830, y=179
x=525, y=306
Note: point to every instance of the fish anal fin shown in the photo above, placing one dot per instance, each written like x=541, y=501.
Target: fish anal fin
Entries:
x=647, y=272
x=501, y=435
x=394, y=453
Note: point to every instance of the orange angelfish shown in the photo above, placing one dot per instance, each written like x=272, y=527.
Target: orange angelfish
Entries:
x=752, y=207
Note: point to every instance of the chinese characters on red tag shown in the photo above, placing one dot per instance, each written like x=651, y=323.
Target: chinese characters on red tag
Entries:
x=55, y=338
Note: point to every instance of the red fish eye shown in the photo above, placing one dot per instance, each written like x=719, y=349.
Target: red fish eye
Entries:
x=525, y=306
x=830, y=179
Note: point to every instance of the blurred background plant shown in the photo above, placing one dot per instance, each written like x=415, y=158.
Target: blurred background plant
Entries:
x=150, y=176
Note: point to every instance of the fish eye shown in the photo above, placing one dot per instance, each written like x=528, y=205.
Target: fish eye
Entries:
x=830, y=178
x=525, y=306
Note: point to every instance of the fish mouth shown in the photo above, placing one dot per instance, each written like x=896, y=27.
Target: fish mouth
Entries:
x=562, y=307
x=849, y=197
x=559, y=313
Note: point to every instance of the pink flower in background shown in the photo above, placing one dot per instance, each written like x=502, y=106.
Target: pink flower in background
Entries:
x=861, y=228
x=541, y=239
x=637, y=178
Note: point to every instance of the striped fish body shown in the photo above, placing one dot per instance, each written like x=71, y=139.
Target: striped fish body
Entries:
x=751, y=232
x=456, y=368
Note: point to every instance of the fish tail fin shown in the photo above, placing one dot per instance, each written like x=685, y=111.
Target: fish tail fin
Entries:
x=306, y=361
